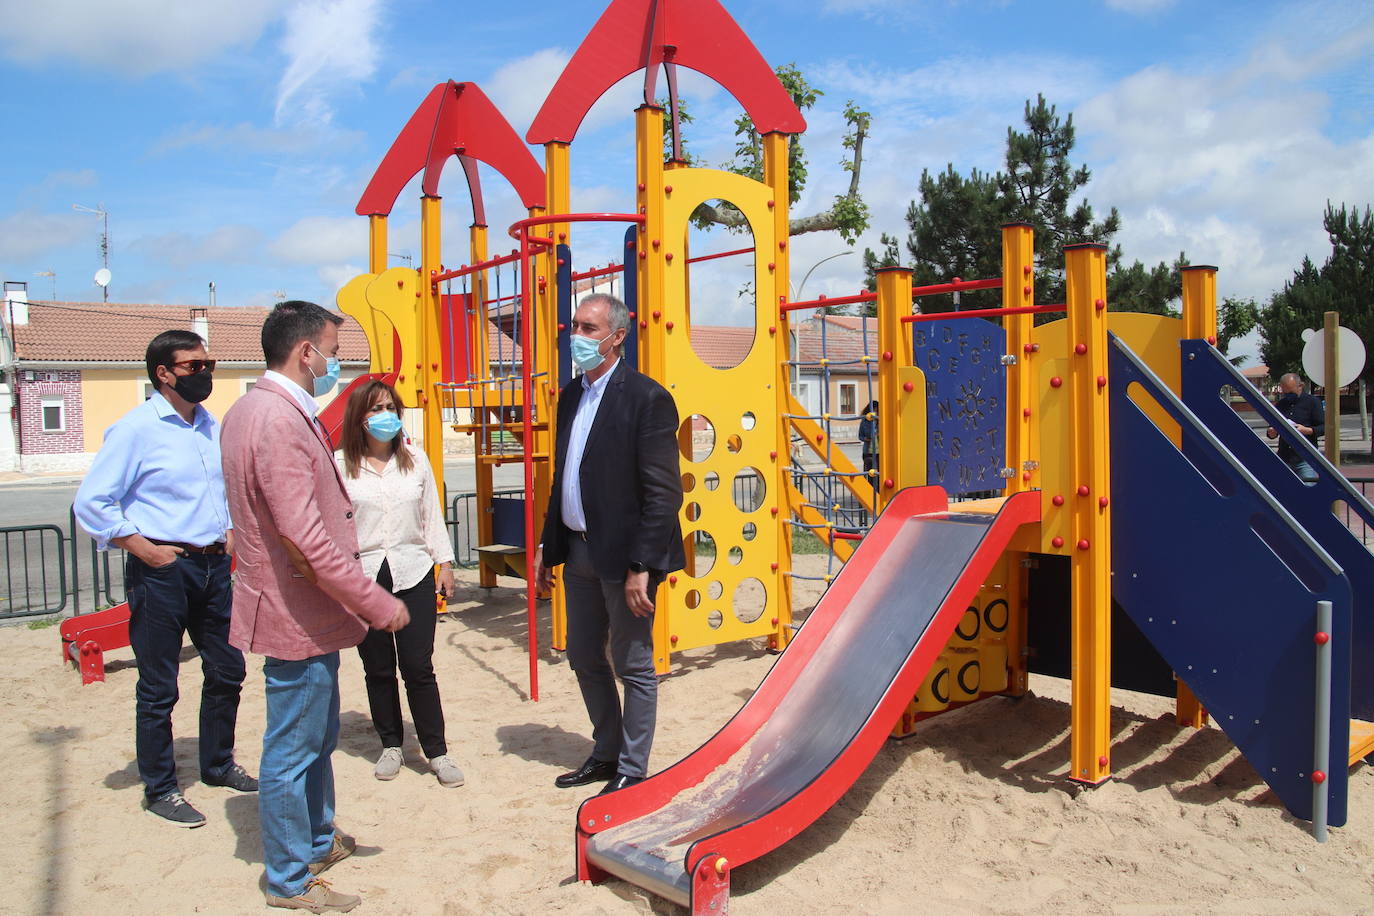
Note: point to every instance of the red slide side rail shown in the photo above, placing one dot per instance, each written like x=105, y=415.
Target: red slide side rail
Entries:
x=763, y=834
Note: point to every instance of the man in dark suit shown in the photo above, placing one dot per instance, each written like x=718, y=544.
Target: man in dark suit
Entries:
x=613, y=525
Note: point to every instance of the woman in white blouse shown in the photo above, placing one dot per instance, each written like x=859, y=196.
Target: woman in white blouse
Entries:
x=401, y=536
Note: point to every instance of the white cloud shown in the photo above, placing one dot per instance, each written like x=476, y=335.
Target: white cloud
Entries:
x=224, y=245
x=331, y=47
x=133, y=37
x=1140, y=7
x=245, y=137
x=334, y=276
x=960, y=79
x=520, y=86
x=322, y=240
x=27, y=235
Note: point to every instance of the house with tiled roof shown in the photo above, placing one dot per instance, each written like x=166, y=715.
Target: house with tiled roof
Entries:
x=73, y=368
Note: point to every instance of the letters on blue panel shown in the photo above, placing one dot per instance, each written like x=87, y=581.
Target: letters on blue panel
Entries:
x=966, y=386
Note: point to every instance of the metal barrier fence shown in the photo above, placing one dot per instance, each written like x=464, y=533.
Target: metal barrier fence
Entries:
x=45, y=570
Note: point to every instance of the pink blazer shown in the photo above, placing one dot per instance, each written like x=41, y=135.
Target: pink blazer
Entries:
x=307, y=597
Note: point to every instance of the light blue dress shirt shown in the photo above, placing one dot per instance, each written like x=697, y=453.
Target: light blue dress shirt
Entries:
x=158, y=476
x=574, y=516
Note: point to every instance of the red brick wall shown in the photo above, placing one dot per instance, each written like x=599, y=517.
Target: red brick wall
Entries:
x=32, y=439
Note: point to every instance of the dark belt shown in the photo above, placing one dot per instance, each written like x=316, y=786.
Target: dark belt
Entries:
x=209, y=549
x=580, y=535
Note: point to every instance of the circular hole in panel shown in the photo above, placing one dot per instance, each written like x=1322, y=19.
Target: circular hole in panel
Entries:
x=714, y=620
x=715, y=590
x=748, y=490
x=702, y=553
x=689, y=482
x=712, y=480
x=696, y=438
x=692, y=511
x=749, y=531
x=734, y=443
x=750, y=600
x=735, y=555
x=748, y=421
x=692, y=599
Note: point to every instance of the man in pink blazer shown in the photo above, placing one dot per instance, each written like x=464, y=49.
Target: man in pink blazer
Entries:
x=300, y=595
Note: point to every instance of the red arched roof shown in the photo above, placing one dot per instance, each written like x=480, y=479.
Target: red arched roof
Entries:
x=455, y=119
x=633, y=35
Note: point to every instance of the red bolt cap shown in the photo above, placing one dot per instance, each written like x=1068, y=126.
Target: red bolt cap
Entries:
x=773, y=456
x=672, y=580
x=772, y=265
x=655, y=243
x=667, y=189
x=1099, y=305
x=1025, y=475
x=771, y=205
x=1101, y=381
x=668, y=325
x=888, y=484
x=773, y=566
x=774, y=622
x=772, y=329
x=630, y=243
x=673, y=639
x=1057, y=542
x=641, y=186
x=657, y=314
x=1321, y=638
x=1026, y=269
x=1318, y=777
x=774, y=510
x=782, y=246
x=643, y=255
x=1211, y=339
x=561, y=262
x=1102, y=761
x=908, y=387
x=400, y=378
x=1083, y=544
x=400, y=284
x=1025, y=411
x=1026, y=290
x=1056, y=382
x=1102, y=502
x=887, y=355
x=1080, y=349
x=668, y=256
x=1082, y=490
x=644, y=324
x=1027, y=348
x=819, y=438
x=1057, y=500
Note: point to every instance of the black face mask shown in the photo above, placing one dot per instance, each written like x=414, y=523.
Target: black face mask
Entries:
x=195, y=388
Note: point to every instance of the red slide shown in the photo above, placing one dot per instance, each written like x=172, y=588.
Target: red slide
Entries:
x=819, y=716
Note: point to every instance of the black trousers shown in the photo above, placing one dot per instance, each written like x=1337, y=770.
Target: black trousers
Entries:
x=190, y=595
x=412, y=648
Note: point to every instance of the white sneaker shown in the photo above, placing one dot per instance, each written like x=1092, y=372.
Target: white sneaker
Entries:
x=389, y=764
x=447, y=771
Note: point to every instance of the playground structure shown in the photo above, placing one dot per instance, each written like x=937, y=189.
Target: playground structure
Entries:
x=1103, y=434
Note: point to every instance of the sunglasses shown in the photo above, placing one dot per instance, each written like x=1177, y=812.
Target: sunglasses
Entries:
x=196, y=366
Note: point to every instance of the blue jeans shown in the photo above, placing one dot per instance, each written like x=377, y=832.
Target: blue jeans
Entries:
x=190, y=595
x=296, y=779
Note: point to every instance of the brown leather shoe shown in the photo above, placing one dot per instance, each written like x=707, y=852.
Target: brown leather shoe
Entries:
x=317, y=897
x=343, y=847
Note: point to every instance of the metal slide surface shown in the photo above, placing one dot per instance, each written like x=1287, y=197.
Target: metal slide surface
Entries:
x=821, y=713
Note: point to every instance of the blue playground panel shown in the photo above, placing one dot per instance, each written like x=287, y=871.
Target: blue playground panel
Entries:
x=965, y=414
x=1205, y=371
x=1224, y=586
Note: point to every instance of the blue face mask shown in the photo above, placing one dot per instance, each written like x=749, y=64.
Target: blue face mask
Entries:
x=586, y=351
x=325, y=383
x=383, y=426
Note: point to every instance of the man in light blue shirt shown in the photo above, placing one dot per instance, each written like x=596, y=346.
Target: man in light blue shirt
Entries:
x=156, y=490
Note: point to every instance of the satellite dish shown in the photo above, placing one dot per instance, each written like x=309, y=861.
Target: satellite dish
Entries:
x=102, y=277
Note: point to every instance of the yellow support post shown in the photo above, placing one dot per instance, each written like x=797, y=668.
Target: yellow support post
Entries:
x=376, y=243
x=427, y=352
x=1200, y=303
x=1199, y=323
x=1018, y=291
x=901, y=412
x=777, y=176
x=1086, y=283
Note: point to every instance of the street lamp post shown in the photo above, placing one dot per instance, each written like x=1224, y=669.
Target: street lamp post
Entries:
x=104, y=243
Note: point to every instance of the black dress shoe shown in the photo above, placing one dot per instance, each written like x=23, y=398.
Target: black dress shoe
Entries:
x=621, y=782
x=591, y=771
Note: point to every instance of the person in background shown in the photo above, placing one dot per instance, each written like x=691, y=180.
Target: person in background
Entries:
x=401, y=535
x=300, y=596
x=1305, y=413
x=868, y=440
x=156, y=490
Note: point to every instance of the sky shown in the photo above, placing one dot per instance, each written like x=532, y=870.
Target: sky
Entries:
x=229, y=143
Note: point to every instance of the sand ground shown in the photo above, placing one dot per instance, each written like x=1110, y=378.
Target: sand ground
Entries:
x=973, y=815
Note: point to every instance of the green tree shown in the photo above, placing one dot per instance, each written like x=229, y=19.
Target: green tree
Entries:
x=1235, y=318
x=1344, y=283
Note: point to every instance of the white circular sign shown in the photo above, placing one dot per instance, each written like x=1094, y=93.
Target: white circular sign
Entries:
x=1350, y=355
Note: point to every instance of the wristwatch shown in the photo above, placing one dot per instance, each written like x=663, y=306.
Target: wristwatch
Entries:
x=638, y=567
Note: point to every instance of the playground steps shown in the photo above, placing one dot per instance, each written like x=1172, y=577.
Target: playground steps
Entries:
x=1361, y=740
x=504, y=560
